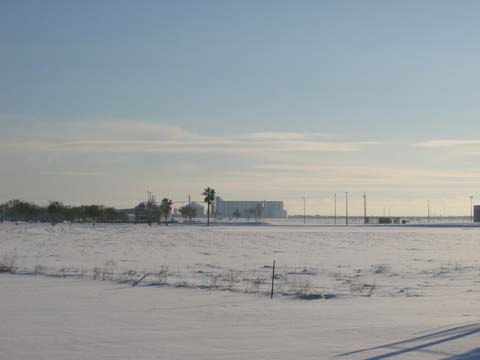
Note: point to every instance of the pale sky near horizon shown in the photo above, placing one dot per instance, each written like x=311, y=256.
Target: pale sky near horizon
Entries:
x=101, y=101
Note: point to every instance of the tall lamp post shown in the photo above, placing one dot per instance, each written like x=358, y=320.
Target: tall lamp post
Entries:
x=304, y=201
x=346, y=208
x=428, y=211
x=335, y=201
x=364, y=208
x=471, y=208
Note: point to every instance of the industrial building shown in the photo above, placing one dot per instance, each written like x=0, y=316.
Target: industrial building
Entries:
x=476, y=213
x=264, y=209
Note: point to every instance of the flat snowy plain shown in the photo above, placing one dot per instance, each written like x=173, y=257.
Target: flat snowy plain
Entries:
x=395, y=292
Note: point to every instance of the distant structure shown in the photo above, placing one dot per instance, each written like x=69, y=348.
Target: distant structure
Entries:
x=383, y=220
x=476, y=213
x=199, y=207
x=144, y=211
x=264, y=209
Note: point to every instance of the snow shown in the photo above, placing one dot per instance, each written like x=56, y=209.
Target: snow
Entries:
x=354, y=261
x=402, y=292
x=45, y=318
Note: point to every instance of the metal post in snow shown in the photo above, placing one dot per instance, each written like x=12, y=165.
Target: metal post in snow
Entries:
x=273, y=279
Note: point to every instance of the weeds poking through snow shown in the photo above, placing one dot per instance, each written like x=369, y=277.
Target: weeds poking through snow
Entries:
x=213, y=282
x=182, y=283
x=108, y=269
x=256, y=284
x=7, y=263
x=96, y=273
x=289, y=283
x=162, y=275
x=302, y=288
x=380, y=269
x=231, y=278
x=39, y=270
x=127, y=276
x=371, y=290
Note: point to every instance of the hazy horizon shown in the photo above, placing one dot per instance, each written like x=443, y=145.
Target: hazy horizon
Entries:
x=101, y=101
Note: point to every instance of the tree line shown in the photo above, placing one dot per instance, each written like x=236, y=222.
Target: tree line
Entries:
x=56, y=212
x=150, y=211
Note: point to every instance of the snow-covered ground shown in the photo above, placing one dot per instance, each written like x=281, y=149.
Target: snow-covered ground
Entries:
x=354, y=261
x=402, y=292
x=56, y=319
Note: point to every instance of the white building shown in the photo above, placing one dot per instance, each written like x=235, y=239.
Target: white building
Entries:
x=267, y=209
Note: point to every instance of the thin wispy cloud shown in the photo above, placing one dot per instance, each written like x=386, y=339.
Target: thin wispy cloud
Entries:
x=279, y=135
x=135, y=129
x=138, y=137
x=409, y=174
x=445, y=143
x=75, y=173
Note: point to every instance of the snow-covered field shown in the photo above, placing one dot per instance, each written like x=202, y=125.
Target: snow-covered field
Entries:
x=402, y=292
x=355, y=261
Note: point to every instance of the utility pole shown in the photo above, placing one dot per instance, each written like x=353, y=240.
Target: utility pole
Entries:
x=335, y=197
x=428, y=211
x=364, y=208
x=471, y=208
x=346, y=209
x=304, y=201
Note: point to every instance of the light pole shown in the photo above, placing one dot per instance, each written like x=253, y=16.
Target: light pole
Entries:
x=304, y=201
x=364, y=208
x=471, y=208
x=335, y=201
x=346, y=209
x=428, y=211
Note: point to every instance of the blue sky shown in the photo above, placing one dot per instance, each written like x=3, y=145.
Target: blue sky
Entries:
x=103, y=100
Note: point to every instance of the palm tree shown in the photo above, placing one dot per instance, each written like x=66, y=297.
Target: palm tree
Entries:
x=209, y=198
x=166, y=207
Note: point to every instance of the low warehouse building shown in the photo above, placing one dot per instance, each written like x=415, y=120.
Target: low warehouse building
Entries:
x=476, y=213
